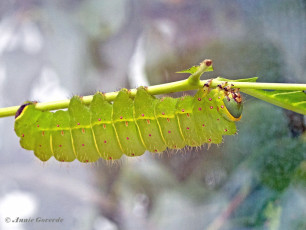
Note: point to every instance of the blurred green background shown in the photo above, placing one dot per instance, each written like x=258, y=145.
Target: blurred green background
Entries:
x=51, y=50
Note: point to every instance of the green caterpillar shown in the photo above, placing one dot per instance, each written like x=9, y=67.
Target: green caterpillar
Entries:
x=128, y=125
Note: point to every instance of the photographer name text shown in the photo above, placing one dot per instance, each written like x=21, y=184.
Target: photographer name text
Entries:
x=34, y=220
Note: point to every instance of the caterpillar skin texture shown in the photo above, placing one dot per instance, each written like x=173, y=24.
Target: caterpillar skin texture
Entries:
x=128, y=126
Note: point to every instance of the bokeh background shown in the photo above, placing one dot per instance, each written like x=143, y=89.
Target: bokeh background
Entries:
x=51, y=50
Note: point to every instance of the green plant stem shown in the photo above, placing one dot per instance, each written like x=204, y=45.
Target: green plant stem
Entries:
x=172, y=87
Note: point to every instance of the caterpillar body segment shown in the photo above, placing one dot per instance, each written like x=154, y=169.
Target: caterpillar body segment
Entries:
x=165, y=112
x=149, y=128
x=61, y=134
x=83, y=141
x=128, y=126
x=42, y=144
x=103, y=128
x=187, y=121
x=125, y=126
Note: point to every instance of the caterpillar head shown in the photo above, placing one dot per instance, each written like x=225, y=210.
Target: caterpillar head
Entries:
x=233, y=105
x=25, y=119
x=21, y=109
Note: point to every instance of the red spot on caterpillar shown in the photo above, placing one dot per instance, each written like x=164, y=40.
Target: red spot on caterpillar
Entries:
x=168, y=119
x=169, y=131
x=126, y=124
x=222, y=106
x=225, y=130
x=86, y=161
x=203, y=125
x=209, y=99
x=148, y=121
x=104, y=126
x=110, y=158
x=155, y=150
x=62, y=160
x=62, y=132
x=150, y=135
x=200, y=108
x=208, y=62
x=211, y=107
x=127, y=138
x=209, y=140
x=43, y=133
x=37, y=125
x=99, y=119
x=183, y=110
x=60, y=146
x=199, y=99
x=142, y=115
x=188, y=115
x=78, y=123
x=174, y=146
x=105, y=142
x=187, y=128
x=83, y=144
x=218, y=119
x=133, y=154
x=83, y=130
x=121, y=117
x=22, y=135
x=163, y=113
x=57, y=125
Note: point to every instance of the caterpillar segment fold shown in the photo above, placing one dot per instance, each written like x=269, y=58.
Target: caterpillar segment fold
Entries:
x=129, y=125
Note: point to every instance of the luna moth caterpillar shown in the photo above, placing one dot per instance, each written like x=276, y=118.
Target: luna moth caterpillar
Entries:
x=128, y=125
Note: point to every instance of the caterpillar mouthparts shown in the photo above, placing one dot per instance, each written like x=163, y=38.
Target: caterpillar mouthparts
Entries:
x=129, y=125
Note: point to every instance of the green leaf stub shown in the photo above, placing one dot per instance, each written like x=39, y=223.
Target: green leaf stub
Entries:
x=205, y=66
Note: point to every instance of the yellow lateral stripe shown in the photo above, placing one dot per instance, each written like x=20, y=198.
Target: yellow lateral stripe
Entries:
x=69, y=128
x=164, y=116
x=100, y=123
x=144, y=118
x=94, y=124
x=141, y=118
x=116, y=121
